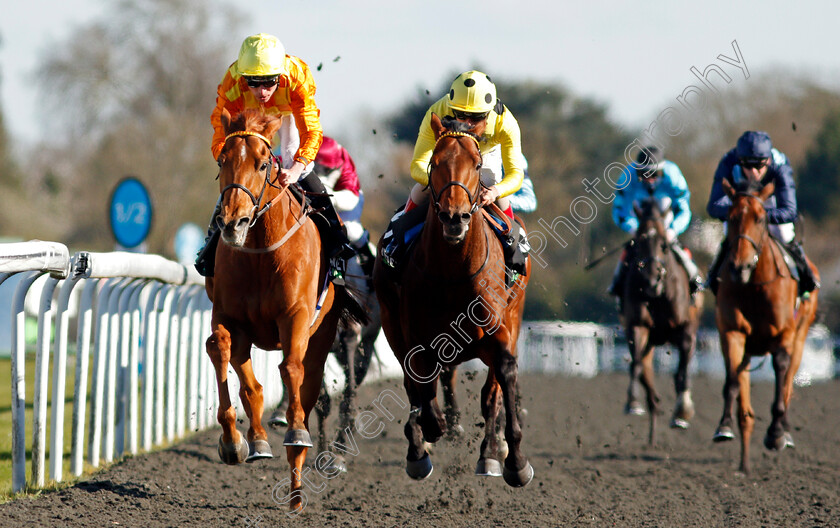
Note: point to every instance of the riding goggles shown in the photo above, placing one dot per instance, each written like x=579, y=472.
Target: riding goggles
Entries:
x=261, y=82
x=470, y=116
x=753, y=163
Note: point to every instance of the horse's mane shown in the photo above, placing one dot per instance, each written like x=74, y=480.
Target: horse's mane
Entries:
x=250, y=119
x=746, y=186
x=650, y=209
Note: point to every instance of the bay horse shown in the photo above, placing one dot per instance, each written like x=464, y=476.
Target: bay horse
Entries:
x=758, y=312
x=270, y=290
x=452, y=304
x=657, y=309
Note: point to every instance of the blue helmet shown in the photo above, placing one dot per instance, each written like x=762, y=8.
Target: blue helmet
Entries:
x=754, y=145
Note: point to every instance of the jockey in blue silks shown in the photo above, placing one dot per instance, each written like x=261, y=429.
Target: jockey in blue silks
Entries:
x=755, y=159
x=654, y=176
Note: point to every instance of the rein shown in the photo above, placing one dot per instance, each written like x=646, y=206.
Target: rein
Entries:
x=758, y=247
x=256, y=211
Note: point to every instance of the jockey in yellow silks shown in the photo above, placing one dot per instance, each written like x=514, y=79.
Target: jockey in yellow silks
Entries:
x=471, y=99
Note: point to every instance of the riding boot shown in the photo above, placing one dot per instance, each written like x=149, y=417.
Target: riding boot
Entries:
x=619, y=275
x=365, y=254
x=695, y=282
x=714, y=270
x=205, y=260
x=338, y=245
x=401, y=224
x=807, y=280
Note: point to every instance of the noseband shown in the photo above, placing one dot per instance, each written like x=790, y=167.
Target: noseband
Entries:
x=266, y=183
x=437, y=194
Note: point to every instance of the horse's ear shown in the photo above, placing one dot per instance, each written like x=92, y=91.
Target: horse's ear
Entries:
x=272, y=125
x=767, y=191
x=225, y=121
x=728, y=188
x=437, y=126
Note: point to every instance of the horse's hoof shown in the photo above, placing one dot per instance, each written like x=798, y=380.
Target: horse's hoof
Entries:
x=278, y=419
x=455, y=432
x=518, y=479
x=723, y=434
x=258, y=449
x=488, y=467
x=685, y=406
x=679, y=423
x=777, y=443
x=788, y=440
x=419, y=469
x=235, y=453
x=297, y=438
x=338, y=465
x=634, y=409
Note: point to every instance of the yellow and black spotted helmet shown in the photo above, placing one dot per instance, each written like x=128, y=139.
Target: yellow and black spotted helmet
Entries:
x=472, y=92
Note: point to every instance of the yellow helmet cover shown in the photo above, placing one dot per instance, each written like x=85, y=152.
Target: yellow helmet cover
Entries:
x=473, y=92
x=261, y=55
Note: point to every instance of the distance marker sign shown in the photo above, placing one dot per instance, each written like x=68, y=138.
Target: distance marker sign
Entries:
x=130, y=212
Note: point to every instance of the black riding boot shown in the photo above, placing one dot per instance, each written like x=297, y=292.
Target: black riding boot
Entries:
x=617, y=285
x=338, y=246
x=807, y=280
x=205, y=260
x=366, y=256
x=714, y=269
x=401, y=223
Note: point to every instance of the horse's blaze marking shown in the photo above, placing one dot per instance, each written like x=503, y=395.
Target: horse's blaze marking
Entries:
x=243, y=153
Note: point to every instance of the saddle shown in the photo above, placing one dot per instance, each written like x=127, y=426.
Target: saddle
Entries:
x=789, y=262
x=407, y=227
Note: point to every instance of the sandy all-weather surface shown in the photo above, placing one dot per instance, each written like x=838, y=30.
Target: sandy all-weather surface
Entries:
x=593, y=468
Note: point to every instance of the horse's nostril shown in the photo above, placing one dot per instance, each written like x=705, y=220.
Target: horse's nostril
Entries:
x=465, y=217
x=244, y=221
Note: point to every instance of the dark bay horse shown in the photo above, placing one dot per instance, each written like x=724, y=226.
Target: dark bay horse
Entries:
x=758, y=312
x=658, y=309
x=451, y=304
x=269, y=290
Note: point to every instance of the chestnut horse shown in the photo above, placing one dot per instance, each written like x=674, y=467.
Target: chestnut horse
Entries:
x=452, y=304
x=657, y=309
x=757, y=313
x=269, y=290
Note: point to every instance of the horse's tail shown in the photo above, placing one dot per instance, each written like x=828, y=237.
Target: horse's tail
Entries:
x=353, y=308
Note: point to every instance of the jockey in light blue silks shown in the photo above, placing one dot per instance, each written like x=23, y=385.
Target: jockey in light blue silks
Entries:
x=654, y=176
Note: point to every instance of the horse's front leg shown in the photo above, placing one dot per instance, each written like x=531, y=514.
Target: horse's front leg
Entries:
x=448, y=378
x=491, y=401
x=251, y=396
x=684, y=409
x=418, y=463
x=637, y=342
x=233, y=448
x=296, y=334
x=732, y=347
x=517, y=470
x=777, y=436
x=349, y=339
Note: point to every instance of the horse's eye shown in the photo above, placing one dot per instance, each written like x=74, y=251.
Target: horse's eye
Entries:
x=264, y=166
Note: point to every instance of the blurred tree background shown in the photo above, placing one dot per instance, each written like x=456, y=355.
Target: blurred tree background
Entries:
x=137, y=88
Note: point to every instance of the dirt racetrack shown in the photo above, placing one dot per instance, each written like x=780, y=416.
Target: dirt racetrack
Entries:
x=593, y=468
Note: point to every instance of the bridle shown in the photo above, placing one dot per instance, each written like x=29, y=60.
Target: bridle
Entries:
x=255, y=214
x=646, y=262
x=757, y=246
x=473, y=197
